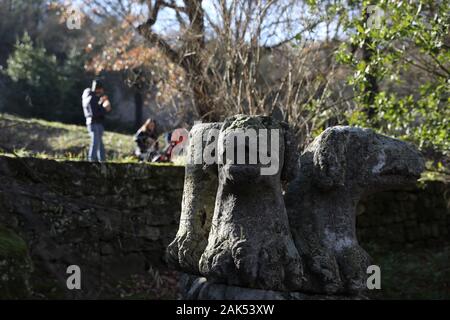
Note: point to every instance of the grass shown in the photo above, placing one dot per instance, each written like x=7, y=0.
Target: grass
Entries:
x=54, y=140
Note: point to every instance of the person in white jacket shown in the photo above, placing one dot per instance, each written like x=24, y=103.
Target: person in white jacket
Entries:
x=96, y=105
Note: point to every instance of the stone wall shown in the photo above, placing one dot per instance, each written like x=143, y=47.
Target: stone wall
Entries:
x=115, y=220
x=112, y=220
x=416, y=217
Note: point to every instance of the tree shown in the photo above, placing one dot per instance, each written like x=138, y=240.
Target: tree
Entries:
x=410, y=59
x=18, y=16
x=252, y=57
x=220, y=49
x=34, y=73
x=41, y=87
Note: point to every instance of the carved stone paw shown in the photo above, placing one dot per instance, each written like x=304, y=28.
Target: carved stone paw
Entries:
x=271, y=264
x=353, y=262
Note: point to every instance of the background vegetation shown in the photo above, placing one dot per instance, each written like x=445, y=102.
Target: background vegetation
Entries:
x=380, y=64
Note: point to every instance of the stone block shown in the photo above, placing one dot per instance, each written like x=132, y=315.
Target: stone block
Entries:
x=149, y=233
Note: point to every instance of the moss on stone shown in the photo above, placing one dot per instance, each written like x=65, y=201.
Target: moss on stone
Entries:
x=15, y=266
x=11, y=245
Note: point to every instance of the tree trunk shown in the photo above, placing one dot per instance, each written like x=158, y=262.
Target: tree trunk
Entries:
x=371, y=89
x=189, y=56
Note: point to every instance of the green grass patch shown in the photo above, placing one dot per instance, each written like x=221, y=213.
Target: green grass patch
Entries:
x=58, y=141
x=54, y=140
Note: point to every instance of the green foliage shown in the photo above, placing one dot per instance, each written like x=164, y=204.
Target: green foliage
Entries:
x=30, y=64
x=41, y=86
x=34, y=73
x=409, y=48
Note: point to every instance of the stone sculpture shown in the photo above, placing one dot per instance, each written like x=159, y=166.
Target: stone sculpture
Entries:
x=250, y=243
x=200, y=187
x=339, y=167
x=254, y=246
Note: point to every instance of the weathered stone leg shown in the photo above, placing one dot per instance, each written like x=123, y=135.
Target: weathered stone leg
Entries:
x=250, y=244
x=353, y=262
x=200, y=187
x=321, y=267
